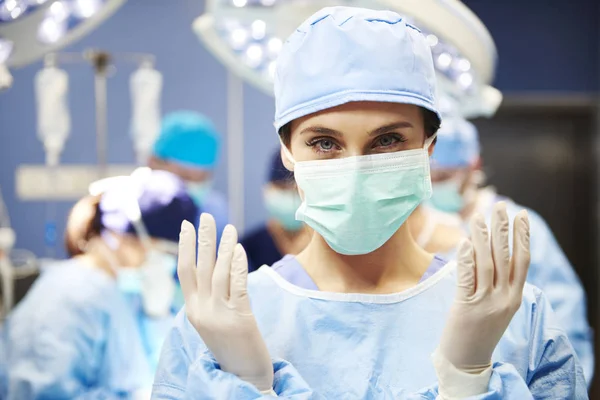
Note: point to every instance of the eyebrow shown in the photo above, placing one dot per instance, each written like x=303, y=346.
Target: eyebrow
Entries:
x=321, y=130
x=390, y=127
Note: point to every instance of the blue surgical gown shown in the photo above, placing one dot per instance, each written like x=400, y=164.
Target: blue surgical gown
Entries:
x=551, y=271
x=359, y=346
x=153, y=330
x=74, y=336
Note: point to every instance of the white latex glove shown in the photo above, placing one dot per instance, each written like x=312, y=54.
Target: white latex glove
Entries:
x=490, y=290
x=217, y=303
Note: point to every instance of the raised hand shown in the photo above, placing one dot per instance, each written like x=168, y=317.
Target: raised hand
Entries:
x=217, y=303
x=490, y=289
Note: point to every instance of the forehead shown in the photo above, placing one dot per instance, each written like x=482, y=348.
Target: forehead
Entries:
x=361, y=115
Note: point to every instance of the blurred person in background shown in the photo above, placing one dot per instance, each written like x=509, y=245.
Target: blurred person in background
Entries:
x=188, y=146
x=282, y=234
x=456, y=175
x=435, y=224
x=92, y=326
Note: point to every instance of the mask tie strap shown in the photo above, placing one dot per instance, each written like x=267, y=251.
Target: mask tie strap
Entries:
x=287, y=153
x=429, y=140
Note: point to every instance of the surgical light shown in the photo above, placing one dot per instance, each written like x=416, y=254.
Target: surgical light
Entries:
x=239, y=38
x=465, y=80
x=443, y=61
x=85, y=8
x=12, y=9
x=51, y=30
x=38, y=27
x=463, y=51
x=254, y=55
x=432, y=40
x=258, y=29
x=34, y=3
x=58, y=11
x=463, y=64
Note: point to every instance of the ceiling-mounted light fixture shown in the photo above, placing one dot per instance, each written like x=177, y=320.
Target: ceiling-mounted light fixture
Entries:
x=246, y=36
x=29, y=29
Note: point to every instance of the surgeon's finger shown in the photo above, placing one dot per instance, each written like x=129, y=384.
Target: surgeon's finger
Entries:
x=500, y=248
x=239, y=279
x=483, y=255
x=220, y=284
x=186, y=266
x=521, y=250
x=207, y=241
x=465, y=270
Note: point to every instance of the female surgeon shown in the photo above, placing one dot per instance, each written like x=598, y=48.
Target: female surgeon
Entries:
x=355, y=111
x=78, y=333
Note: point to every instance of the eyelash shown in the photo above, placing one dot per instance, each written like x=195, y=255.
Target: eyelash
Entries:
x=398, y=138
x=317, y=140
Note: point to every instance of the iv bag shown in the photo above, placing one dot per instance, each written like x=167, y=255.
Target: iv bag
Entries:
x=54, y=121
x=146, y=87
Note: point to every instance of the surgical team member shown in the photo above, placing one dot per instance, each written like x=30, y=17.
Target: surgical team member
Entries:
x=436, y=231
x=282, y=234
x=77, y=333
x=188, y=145
x=454, y=163
x=355, y=111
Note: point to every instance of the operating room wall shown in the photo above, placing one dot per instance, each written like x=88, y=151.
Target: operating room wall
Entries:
x=543, y=46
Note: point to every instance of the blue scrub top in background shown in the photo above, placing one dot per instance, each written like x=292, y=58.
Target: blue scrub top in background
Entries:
x=215, y=204
x=260, y=248
x=551, y=271
x=73, y=336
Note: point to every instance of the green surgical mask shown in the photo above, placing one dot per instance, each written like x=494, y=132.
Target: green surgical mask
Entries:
x=199, y=191
x=282, y=205
x=357, y=203
x=446, y=197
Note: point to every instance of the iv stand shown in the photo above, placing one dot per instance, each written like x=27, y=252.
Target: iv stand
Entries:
x=102, y=63
x=235, y=149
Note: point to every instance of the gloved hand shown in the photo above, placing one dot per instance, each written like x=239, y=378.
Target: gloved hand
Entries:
x=489, y=293
x=217, y=303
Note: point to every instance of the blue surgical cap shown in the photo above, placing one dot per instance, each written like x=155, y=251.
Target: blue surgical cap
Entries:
x=278, y=173
x=345, y=54
x=189, y=138
x=457, y=144
x=162, y=199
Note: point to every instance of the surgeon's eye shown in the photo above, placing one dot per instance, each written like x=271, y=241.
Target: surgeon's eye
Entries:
x=388, y=141
x=323, y=145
